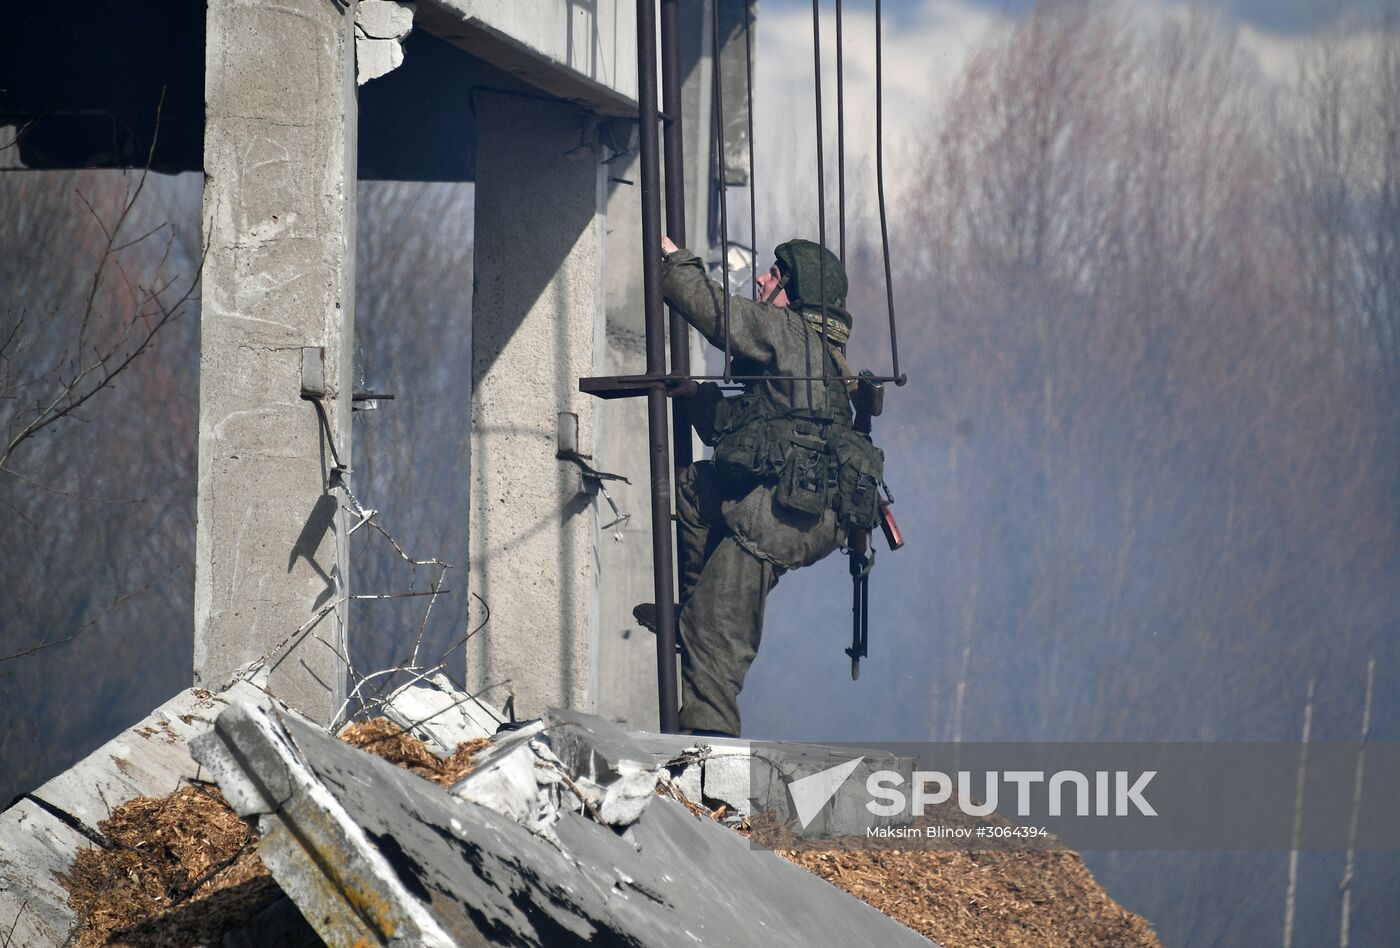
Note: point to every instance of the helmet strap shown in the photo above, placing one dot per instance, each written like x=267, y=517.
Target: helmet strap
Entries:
x=778, y=287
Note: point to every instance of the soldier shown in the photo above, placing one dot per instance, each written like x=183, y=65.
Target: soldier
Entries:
x=768, y=500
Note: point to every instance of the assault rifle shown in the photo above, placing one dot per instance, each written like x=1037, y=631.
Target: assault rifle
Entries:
x=868, y=400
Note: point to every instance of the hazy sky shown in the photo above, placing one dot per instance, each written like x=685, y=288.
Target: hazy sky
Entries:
x=925, y=45
x=1273, y=16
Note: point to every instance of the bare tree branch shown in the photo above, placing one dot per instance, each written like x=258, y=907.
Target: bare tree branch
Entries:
x=48, y=643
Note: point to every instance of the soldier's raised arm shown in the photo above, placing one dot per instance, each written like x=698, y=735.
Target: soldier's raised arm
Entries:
x=753, y=332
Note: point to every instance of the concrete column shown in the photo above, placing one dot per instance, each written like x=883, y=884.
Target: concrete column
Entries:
x=537, y=313
x=279, y=161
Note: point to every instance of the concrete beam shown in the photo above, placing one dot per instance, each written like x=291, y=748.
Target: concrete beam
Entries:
x=279, y=211
x=582, y=52
x=372, y=854
x=536, y=312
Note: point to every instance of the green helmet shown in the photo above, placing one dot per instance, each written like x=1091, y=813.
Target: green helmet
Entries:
x=800, y=263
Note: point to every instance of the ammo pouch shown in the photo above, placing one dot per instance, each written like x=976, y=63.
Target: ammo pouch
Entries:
x=860, y=469
x=748, y=449
x=803, y=484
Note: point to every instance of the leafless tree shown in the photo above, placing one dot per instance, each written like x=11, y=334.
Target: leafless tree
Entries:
x=99, y=380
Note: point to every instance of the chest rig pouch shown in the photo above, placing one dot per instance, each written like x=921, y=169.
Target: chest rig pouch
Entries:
x=816, y=461
x=804, y=484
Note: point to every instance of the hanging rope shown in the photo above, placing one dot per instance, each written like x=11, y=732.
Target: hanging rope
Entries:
x=717, y=112
x=821, y=171
x=840, y=134
x=717, y=93
x=899, y=379
x=753, y=193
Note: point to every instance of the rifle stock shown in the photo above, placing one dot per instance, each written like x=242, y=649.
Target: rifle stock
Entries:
x=889, y=527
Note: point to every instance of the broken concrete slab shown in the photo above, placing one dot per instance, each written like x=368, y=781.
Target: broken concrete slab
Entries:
x=777, y=767
x=375, y=58
x=441, y=716
x=40, y=835
x=596, y=748
x=370, y=851
x=743, y=775
x=343, y=884
x=602, y=750
x=384, y=19
x=521, y=779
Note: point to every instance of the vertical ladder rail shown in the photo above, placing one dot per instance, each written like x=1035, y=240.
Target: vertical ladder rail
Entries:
x=658, y=435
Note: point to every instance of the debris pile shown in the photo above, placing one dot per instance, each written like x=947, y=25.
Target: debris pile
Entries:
x=183, y=869
x=561, y=830
x=556, y=836
x=400, y=747
x=178, y=871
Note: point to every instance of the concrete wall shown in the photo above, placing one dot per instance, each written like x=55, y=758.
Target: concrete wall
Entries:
x=279, y=161
x=536, y=312
x=624, y=660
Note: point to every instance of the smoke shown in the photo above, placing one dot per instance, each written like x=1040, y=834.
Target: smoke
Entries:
x=1145, y=279
x=923, y=50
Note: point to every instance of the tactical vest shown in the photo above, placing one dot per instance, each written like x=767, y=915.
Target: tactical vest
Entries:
x=815, y=457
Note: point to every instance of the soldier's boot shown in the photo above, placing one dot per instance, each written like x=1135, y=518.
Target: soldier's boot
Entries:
x=646, y=617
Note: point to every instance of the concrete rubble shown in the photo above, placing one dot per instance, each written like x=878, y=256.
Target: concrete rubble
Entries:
x=524, y=850
x=558, y=835
x=40, y=835
x=717, y=771
x=439, y=715
x=381, y=26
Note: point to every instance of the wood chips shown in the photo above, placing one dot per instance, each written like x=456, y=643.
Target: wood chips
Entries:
x=984, y=899
x=180, y=870
x=384, y=738
x=183, y=869
x=1030, y=893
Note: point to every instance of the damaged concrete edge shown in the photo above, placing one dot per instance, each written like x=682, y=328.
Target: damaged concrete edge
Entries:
x=264, y=775
x=739, y=774
x=371, y=854
x=381, y=26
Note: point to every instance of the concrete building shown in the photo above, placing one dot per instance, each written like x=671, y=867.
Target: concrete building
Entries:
x=283, y=107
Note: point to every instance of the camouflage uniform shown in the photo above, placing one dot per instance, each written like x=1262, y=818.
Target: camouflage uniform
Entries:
x=734, y=538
